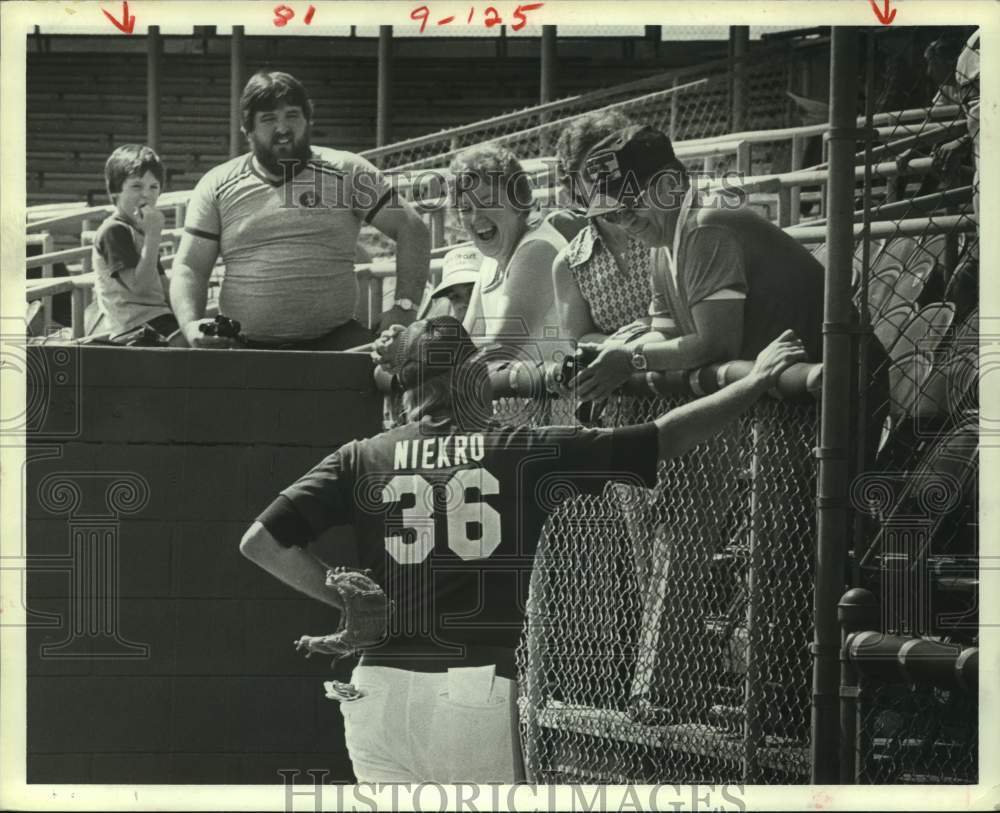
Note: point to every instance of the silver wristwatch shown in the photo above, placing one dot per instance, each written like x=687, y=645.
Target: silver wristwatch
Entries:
x=639, y=360
x=404, y=304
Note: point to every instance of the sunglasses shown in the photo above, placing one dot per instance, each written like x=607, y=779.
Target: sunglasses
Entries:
x=628, y=207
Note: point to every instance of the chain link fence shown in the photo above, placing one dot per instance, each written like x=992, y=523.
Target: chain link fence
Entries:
x=918, y=289
x=695, y=104
x=687, y=104
x=668, y=630
x=918, y=735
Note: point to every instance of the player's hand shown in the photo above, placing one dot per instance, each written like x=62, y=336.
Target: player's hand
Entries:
x=315, y=643
x=385, y=348
x=397, y=316
x=606, y=373
x=777, y=357
x=195, y=338
x=151, y=219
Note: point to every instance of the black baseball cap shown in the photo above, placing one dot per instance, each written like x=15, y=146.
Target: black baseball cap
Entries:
x=622, y=165
x=429, y=348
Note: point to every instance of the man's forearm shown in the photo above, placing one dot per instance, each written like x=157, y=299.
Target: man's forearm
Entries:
x=413, y=257
x=295, y=566
x=188, y=294
x=301, y=570
x=681, y=353
x=686, y=426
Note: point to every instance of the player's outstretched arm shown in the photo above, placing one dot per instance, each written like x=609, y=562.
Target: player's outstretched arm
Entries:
x=683, y=428
x=295, y=566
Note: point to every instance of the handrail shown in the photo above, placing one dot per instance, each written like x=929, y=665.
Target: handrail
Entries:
x=813, y=177
x=168, y=200
x=603, y=93
x=691, y=148
x=443, y=157
x=887, y=126
x=41, y=288
x=80, y=252
x=913, y=206
x=903, y=659
x=878, y=229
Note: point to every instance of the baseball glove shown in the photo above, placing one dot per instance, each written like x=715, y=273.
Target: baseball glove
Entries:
x=363, y=619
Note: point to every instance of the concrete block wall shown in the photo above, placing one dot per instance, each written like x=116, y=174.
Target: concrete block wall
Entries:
x=156, y=652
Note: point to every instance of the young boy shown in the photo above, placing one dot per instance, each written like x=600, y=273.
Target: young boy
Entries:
x=131, y=287
x=458, y=277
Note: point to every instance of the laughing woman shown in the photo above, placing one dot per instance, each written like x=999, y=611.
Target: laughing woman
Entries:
x=513, y=302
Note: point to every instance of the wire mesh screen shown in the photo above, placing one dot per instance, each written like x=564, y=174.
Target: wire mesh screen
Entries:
x=668, y=630
x=919, y=288
x=686, y=104
x=918, y=735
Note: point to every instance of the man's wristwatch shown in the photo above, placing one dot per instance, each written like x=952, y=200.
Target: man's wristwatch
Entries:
x=639, y=360
x=404, y=304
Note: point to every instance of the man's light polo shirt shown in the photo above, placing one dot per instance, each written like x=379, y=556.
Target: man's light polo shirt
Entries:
x=289, y=246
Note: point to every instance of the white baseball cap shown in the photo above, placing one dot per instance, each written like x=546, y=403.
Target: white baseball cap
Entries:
x=460, y=266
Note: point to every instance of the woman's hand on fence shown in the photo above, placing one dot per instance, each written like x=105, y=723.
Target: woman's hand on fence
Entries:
x=777, y=357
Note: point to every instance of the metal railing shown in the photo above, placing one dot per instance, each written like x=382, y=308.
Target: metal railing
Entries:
x=908, y=704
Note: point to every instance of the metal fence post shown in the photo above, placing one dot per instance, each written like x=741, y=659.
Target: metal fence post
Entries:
x=384, y=94
x=743, y=158
x=237, y=67
x=154, y=60
x=858, y=610
x=739, y=37
x=798, y=157
x=674, y=108
x=48, y=244
x=833, y=526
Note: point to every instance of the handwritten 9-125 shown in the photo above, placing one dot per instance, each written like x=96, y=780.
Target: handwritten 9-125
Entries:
x=490, y=16
x=284, y=14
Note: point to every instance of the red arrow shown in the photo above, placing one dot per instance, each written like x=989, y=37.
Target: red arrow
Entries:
x=885, y=15
x=128, y=23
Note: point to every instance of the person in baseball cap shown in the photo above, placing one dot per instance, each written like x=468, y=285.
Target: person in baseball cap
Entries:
x=458, y=277
x=439, y=370
x=623, y=168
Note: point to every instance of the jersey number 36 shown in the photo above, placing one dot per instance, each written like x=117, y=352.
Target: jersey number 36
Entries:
x=462, y=516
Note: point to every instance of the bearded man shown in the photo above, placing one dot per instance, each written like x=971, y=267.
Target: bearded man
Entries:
x=285, y=219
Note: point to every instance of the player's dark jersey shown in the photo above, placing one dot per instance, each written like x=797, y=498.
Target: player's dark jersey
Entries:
x=449, y=521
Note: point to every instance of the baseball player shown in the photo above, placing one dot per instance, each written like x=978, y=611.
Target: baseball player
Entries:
x=447, y=510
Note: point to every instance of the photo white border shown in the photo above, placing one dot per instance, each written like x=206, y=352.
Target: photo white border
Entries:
x=17, y=19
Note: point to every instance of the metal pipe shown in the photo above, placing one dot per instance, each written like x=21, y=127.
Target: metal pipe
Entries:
x=154, y=57
x=756, y=632
x=237, y=67
x=384, y=98
x=48, y=242
x=835, y=426
x=798, y=158
x=674, y=108
x=865, y=327
x=549, y=65
x=739, y=38
x=858, y=610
